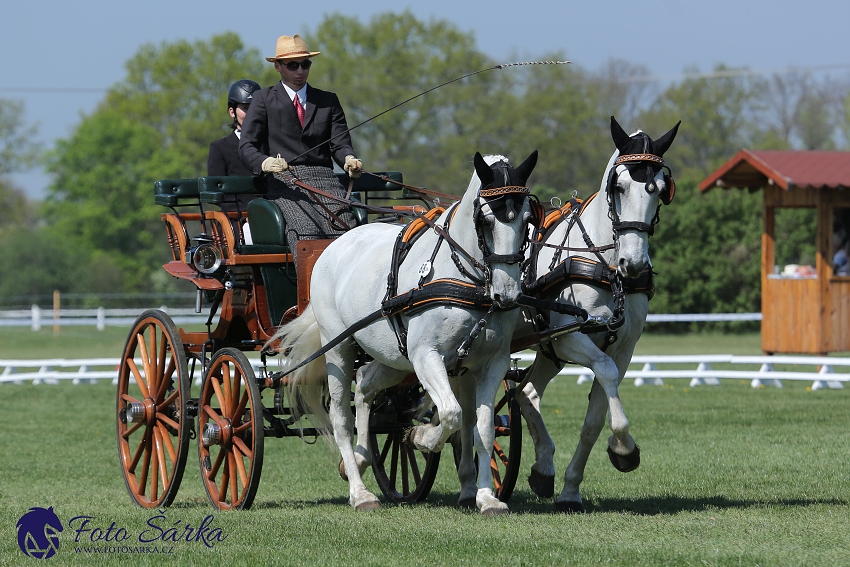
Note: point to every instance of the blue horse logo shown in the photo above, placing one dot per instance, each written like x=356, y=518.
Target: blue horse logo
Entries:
x=38, y=533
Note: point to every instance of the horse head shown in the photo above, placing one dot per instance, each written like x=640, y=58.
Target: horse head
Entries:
x=636, y=183
x=500, y=213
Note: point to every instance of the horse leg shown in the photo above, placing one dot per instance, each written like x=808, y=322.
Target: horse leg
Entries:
x=371, y=379
x=485, y=436
x=529, y=392
x=431, y=372
x=569, y=500
x=465, y=437
x=340, y=367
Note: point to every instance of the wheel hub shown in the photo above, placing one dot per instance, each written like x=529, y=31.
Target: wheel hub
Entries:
x=218, y=433
x=141, y=412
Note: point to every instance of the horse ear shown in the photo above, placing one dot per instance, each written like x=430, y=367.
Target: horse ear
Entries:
x=663, y=143
x=525, y=168
x=484, y=172
x=618, y=134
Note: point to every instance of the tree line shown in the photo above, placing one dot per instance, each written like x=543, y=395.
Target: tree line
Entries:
x=98, y=231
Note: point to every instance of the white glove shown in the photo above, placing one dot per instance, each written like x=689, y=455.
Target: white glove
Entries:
x=275, y=165
x=353, y=167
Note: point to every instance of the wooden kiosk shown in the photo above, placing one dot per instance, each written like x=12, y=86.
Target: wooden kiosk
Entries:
x=808, y=313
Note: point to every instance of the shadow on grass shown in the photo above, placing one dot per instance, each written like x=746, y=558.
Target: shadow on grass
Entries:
x=523, y=502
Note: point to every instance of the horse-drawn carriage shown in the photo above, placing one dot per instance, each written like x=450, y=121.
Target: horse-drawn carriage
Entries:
x=402, y=394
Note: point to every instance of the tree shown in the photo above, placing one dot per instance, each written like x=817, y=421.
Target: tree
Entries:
x=707, y=252
x=718, y=119
x=17, y=149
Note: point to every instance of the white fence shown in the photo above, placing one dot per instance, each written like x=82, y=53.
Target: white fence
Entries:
x=822, y=375
x=35, y=317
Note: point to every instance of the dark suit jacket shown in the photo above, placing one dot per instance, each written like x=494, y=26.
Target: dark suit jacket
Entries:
x=224, y=160
x=271, y=127
x=224, y=157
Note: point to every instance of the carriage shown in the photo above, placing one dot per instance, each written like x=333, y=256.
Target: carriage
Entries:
x=176, y=386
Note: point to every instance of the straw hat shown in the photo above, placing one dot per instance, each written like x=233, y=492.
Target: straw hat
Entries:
x=291, y=48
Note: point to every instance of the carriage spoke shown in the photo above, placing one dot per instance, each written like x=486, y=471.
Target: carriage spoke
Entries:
x=240, y=409
x=226, y=400
x=167, y=421
x=160, y=363
x=153, y=381
x=234, y=397
x=128, y=398
x=126, y=435
x=140, y=382
x=231, y=471
x=394, y=459
x=212, y=413
x=240, y=466
x=167, y=380
x=242, y=447
x=159, y=465
x=414, y=466
x=214, y=470
x=154, y=471
x=146, y=362
x=146, y=463
x=139, y=451
x=169, y=445
x=405, y=481
x=385, y=450
x=170, y=399
x=219, y=396
x=500, y=453
x=225, y=481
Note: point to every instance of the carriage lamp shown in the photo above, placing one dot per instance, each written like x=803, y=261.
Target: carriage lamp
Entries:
x=205, y=255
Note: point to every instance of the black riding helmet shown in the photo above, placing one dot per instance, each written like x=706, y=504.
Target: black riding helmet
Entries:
x=241, y=92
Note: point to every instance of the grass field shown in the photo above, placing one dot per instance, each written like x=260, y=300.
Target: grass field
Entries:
x=729, y=476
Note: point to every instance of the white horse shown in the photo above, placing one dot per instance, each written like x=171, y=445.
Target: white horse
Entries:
x=482, y=245
x=618, y=220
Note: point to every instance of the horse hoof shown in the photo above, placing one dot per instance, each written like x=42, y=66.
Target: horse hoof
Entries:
x=542, y=485
x=342, y=474
x=467, y=503
x=368, y=506
x=570, y=507
x=625, y=463
x=495, y=510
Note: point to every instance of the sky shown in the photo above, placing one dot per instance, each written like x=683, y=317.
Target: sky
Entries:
x=59, y=57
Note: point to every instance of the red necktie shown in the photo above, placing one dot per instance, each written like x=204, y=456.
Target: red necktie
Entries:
x=299, y=109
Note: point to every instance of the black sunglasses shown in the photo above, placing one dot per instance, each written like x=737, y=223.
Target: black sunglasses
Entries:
x=293, y=65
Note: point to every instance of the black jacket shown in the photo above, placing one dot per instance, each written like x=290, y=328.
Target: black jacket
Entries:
x=224, y=157
x=271, y=127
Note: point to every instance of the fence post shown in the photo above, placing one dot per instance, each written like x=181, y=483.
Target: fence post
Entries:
x=55, y=312
x=101, y=318
x=36, y=318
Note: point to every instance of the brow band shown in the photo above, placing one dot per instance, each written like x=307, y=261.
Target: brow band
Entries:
x=639, y=157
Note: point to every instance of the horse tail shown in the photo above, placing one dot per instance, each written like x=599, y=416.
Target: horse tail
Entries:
x=307, y=387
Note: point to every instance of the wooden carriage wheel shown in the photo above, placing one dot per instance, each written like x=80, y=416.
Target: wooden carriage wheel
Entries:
x=404, y=474
x=153, y=426
x=230, y=425
x=507, y=446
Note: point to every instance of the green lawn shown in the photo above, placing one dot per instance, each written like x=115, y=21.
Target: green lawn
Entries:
x=729, y=476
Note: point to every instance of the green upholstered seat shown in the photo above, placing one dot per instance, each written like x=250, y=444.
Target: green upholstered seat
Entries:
x=268, y=229
x=169, y=192
x=217, y=189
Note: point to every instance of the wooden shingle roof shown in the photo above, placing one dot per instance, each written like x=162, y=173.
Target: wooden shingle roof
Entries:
x=786, y=169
